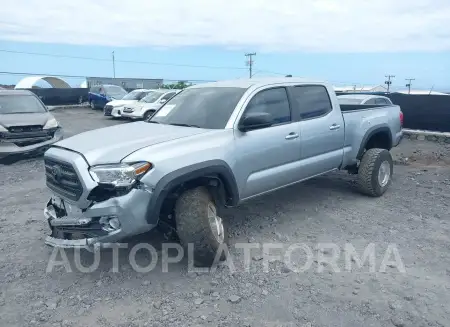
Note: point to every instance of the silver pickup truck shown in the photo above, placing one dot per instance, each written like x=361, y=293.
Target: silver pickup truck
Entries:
x=212, y=146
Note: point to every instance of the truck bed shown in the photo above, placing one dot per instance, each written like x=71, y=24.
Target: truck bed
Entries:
x=354, y=107
x=361, y=119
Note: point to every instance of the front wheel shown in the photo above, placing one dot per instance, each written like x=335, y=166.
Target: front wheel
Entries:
x=199, y=224
x=148, y=115
x=375, y=172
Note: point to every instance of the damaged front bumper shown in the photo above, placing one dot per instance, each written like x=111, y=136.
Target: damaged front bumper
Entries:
x=101, y=224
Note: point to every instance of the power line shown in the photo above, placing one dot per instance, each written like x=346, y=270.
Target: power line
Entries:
x=122, y=61
x=408, y=85
x=388, y=82
x=250, y=62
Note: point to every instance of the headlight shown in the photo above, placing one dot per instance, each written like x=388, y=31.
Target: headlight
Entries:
x=119, y=175
x=51, y=123
x=2, y=129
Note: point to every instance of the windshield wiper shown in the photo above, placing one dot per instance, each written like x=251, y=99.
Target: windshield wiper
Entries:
x=184, y=125
x=153, y=122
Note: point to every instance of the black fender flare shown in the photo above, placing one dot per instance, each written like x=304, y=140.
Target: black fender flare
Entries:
x=371, y=132
x=216, y=168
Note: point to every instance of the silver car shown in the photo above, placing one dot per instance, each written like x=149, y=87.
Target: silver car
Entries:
x=26, y=126
x=367, y=99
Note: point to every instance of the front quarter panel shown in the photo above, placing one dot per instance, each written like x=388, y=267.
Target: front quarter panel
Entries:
x=175, y=155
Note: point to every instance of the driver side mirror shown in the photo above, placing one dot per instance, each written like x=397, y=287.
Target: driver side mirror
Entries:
x=256, y=120
x=163, y=101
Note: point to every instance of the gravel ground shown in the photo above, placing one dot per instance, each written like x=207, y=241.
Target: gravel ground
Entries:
x=413, y=215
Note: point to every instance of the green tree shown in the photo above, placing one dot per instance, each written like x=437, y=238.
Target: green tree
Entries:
x=177, y=86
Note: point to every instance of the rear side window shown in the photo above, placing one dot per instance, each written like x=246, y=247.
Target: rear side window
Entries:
x=167, y=96
x=272, y=101
x=370, y=101
x=383, y=101
x=312, y=100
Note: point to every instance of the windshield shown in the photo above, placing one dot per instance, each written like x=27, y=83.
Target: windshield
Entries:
x=18, y=104
x=349, y=101
x=152, y=97
x=209, y=107
x=135, y=95
x=115, y=92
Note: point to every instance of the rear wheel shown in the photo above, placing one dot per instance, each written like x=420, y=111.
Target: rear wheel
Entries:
x=199, y=224
x=375, y=172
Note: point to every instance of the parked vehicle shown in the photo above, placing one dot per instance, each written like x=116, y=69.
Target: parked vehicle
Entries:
x=100, y=95
x=368, y=99
x=212, y=146
x=115, y=108
x=148, y=105
x=26, y=126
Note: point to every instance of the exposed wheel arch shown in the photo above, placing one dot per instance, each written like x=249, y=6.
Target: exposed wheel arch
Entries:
x=378, y=137
x=214, y=174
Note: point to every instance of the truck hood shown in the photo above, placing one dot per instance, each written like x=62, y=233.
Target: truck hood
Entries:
x=112, y=144
x=25, y=119
x=117, y=103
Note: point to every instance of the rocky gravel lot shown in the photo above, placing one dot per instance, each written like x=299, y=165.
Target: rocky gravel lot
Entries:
x=413, y=215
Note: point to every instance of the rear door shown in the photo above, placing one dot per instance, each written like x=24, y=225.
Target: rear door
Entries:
x=268, y=158
x=102, y=97
x=321, y=127
x=93, y=94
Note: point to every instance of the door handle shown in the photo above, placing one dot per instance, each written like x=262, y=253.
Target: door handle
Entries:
x=335, y=127
x=291, y=136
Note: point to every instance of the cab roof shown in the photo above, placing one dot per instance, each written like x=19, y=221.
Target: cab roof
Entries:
x=248, y=82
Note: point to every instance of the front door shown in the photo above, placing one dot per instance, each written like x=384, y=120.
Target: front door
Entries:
x=268, y=158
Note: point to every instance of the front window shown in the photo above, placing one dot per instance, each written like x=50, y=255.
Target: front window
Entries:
x=115, y=92
x=20, y=104
x=135, y=95
x=151, y=97
x=208, y=107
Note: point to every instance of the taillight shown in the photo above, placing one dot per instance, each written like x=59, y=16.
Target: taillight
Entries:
x=401, y=119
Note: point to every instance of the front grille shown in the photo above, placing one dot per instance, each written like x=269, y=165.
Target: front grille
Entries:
x=107, y=110
x=62, y=179
x=23, y=143
x=25, y=129
x=27, y=135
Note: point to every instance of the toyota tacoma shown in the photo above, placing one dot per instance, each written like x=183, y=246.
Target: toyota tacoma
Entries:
x=212, y=146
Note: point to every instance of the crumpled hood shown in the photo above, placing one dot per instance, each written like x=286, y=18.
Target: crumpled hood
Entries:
x=117, y=103
x=25, y=119
x=112, y=144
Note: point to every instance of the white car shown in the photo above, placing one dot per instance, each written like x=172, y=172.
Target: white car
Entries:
x=146, y=107
x=114, y=108
x=367, y=99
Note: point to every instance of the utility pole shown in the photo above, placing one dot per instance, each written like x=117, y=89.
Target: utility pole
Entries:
x=114, y=65
x=409, y=84
x=250, y=62
x=388, y=82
